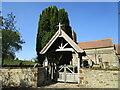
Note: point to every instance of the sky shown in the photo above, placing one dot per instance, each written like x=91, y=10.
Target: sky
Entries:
x=90, y=21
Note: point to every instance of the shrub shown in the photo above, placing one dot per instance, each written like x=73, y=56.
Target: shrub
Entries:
x=18, y=62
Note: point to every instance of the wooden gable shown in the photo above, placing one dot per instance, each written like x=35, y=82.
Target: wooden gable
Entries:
x=60, y=33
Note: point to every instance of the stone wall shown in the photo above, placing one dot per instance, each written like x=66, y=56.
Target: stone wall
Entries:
x=93, y=78
x=107, y=54
x=22, y=77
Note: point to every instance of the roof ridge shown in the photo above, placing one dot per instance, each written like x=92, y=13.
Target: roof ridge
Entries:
x=96, y=40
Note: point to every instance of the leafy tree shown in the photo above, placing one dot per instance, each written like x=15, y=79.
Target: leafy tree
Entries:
x=11, y=39
x=47, y=26
x=17, y=58
x=0, y=40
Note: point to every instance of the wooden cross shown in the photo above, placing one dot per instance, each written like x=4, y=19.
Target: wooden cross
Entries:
x=59, y=26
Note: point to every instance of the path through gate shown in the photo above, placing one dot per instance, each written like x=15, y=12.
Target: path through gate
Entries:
x=68, y=73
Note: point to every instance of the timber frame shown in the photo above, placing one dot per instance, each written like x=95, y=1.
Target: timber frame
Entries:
x=75, y=48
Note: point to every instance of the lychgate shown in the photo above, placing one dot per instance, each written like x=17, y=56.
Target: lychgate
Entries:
x=61, y=43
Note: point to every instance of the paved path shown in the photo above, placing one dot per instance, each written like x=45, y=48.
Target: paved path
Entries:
x=52, y=86
x=62, y=85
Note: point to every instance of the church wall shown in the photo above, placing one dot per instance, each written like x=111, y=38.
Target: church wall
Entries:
x=106, y=54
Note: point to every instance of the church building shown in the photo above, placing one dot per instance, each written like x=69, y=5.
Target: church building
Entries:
x=90, y=53
x=101, y=52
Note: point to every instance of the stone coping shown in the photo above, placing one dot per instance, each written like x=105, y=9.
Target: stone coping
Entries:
x=20, y=67
x=101, y=69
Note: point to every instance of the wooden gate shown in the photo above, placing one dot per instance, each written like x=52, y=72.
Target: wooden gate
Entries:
x=68, y=74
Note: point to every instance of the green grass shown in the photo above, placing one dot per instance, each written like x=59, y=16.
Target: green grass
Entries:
x=107, y=67
x=112, y=67
x=95, y=67
x=116, y=67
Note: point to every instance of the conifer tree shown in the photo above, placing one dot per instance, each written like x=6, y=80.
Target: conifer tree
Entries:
x=47, y=26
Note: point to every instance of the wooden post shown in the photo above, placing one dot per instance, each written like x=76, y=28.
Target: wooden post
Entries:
x=45, y=65
x=74, y=69
x=49, y=70
x=78, y=67
x=52, y=71
x=65, y=73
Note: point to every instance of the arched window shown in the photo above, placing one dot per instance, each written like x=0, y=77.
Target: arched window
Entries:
x=99, y=59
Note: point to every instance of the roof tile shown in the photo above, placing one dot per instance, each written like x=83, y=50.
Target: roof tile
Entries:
x=96, y=44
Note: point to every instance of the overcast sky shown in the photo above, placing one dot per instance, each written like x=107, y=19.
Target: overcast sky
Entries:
x=90, y=21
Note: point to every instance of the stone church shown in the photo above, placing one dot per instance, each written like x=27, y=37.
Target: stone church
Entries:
x=84, y=54
x=99, y=53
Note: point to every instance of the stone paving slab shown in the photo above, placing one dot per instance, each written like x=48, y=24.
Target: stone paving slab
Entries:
x=62, y=85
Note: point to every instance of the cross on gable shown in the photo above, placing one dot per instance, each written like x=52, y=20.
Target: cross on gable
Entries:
x=61, y=34
x=59, y=26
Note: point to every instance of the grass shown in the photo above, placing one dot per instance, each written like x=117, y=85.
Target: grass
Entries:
x=107, y=67
x=95, y=67
x=111, y=67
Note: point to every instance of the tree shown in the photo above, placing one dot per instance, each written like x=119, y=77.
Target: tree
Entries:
x=47, y=26
x=0, y=40
x=63, y=19
x=11, y=39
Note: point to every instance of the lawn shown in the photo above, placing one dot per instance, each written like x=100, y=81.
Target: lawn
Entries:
x=107, y=67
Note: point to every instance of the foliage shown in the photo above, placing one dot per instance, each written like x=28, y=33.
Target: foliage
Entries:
x=11, y=62
x=11, y=39
x=0, y=40
x=28, y=63
x=0, y=20
x=47, y=26
x=18, y=62
x=17, y=58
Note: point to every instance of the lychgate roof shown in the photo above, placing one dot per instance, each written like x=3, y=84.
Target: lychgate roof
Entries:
x=61, y=33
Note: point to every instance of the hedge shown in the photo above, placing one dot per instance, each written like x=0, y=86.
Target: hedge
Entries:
x=18, y=62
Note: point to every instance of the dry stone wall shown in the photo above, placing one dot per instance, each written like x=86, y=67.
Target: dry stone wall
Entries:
x=35, y=77
x=92, y=78
x=22, y=77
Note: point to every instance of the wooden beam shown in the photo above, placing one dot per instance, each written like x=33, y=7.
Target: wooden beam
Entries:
x=71, y=42
x=61, y=47
x=65, y=49
x=61, y=42
x=70, y=70
x=65, y=45
x=60, y=69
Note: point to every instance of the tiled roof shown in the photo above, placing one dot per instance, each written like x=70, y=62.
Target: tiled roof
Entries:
x=96, y=44
x=117, y=48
